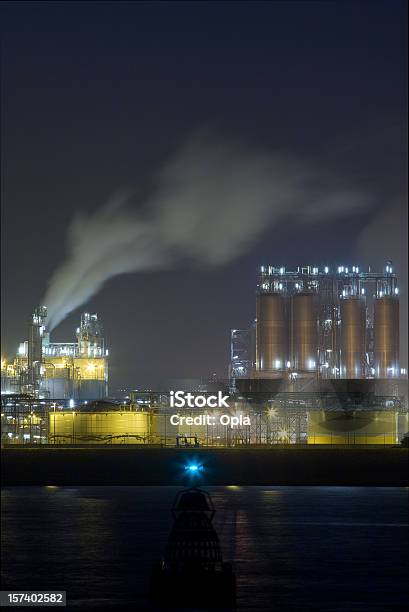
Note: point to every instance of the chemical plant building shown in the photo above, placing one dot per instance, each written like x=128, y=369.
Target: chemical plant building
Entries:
x=311, y=322
x=59, y=370
x=319, y=365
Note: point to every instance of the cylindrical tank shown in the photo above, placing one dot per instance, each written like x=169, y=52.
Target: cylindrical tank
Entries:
x=353, y=337
x=108, y=427
x=271, y=332
x=358, y=427
x=304, y=332
x=386, y=337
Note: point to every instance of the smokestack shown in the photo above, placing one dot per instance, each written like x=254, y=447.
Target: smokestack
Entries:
x=36, y=329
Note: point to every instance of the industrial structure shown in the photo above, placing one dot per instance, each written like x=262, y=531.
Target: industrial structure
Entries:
x=314, y=322
x=70, y=370
x=319, y=365
x=242, y=352
x=325, y=343
x=282, y=418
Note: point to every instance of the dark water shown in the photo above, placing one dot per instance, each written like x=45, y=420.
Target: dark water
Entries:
x=293, y=548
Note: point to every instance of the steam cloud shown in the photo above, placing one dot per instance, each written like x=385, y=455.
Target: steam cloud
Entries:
x=212, y=200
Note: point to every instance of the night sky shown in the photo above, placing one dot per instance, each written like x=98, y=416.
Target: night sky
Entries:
x=97, y=96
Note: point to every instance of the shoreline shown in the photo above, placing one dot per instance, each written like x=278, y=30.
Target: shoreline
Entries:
x=133, y=465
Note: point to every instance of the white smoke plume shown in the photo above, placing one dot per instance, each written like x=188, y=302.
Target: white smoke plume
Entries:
x=212, y=200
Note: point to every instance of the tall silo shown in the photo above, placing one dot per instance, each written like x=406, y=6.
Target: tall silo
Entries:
x=304, y=332
x=271, y=333
x=386, y=337
x=353, y=337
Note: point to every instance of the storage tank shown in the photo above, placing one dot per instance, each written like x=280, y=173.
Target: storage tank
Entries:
x=108, y=427
x=386, y=337
x=304, y=332
x=271, y=333
x=355, y=427
x=353, y=337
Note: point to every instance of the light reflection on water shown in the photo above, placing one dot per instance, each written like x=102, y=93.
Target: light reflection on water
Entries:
x=293, y=548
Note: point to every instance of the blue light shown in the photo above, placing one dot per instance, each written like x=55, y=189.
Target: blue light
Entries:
x=193, y=468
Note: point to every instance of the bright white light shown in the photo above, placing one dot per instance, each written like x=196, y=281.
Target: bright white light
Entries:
x=311, y=363
x=288, y=364
x=262, y=269
x=278, y=363
x=363, y=291
x=396, y=291
x=281, y=270
x=326, y=269
x=346, y=270
x=71, y=403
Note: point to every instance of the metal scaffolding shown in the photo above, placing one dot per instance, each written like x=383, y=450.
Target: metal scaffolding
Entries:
x=283, y=419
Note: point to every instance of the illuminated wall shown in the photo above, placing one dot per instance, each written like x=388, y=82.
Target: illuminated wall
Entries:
x=99, y=427
x=358, y=427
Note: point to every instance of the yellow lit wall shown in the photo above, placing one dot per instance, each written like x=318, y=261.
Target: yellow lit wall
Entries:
x=90, y=369
x=99, y=427
x=162, y=431
x=359, y=427
x=77, y=367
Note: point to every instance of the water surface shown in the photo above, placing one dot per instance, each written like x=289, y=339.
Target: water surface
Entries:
x=293, y=548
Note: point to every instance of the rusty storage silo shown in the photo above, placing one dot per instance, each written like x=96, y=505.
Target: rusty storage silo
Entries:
x=271, y=332
x=304, y=332
x=386, y=337
x=353, y=337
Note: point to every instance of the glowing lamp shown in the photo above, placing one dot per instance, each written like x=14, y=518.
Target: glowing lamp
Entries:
x=193, y=468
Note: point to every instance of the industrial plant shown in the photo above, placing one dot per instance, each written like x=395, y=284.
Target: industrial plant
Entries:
x=63, y=370
x=319, y=365
x=314, y=323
